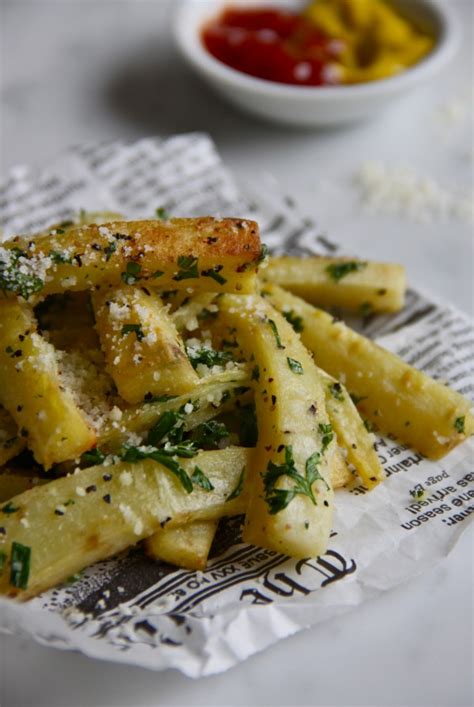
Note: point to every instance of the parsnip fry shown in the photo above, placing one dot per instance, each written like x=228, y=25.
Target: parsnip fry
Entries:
x=358, y=285
x=14, y=482
x=340, y=472
x=11, y=443
x=144, y=352
x=290, y=507
x=186, y=318
x=397, y=398
x=186, y=546
x=351, y=432
x=213, y=396
x=201, y=254
x=80, y=519
x=32, y=391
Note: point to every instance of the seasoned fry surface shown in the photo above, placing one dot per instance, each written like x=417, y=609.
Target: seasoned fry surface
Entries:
x=395, y=397
x=77, y=520
x=294, y=434
x=205, y=253
x=347, y=283
x=151, y=384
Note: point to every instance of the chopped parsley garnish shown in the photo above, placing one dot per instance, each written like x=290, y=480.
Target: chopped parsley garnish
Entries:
x=418, y=492
x=133, y=328
x=132, y=273
x=200, y=479
x=134, y=454
x=188, y=265
x=13, y=277
x=209, y=357
x=93, y=457
x=73, y=578
x=214, y=274
x=263, y=253
x=327, y=435
x=295, y=366
x=255, y=373
x=58, y=257
x=277, y=499
x=238, y=488
x=9, y=508
x=162, y=214
x=110, y=250
x=366, y=308
x=337, y=271
x=157, y=274
x=294, y=319
x=459, y=424
x=20, y=565
x=248, y=429
x=274, y=329
x=208, y=434
x=336, y=391
x=167, y=422
x=168, y=432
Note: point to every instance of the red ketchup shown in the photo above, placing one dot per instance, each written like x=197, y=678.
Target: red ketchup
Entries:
x=272, y=44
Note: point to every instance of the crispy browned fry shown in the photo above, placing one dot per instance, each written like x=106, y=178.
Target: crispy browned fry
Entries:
x=219, y=255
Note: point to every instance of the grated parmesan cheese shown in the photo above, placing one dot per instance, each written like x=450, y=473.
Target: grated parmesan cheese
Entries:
x=401, y=191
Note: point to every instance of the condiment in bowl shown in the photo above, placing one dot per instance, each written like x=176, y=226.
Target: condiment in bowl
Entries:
x=326, y=62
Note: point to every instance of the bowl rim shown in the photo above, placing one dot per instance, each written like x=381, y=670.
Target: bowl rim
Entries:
x=191, y=15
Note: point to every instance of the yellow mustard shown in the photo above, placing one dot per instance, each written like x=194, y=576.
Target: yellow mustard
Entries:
x=376, y=41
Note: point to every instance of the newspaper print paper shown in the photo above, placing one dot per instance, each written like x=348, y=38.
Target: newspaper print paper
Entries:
x=133, y=610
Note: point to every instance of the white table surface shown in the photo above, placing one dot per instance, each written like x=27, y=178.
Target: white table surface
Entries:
x=73, y=71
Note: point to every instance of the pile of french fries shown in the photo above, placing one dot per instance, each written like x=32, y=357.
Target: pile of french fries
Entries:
x=156, y=376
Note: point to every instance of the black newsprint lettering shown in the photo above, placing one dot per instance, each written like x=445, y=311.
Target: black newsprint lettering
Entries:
x=178, y=579
x=236, y=578
x=426, y=516
x=458, y=517
x=257, y=596
x=331, y=571
x=287, y=586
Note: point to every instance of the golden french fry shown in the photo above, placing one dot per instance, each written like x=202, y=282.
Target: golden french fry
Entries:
x=290, y=507
x=186, y=546
x=82, y=518
x=352, y=284
x=351, y=432
x=15, y=481
x=11, y=443
x=394, y=396
x=33, y=392
x=144, y=353
x=201, y=254
x=212, y=396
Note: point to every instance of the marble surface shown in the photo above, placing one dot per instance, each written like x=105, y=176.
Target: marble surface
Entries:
x=73, y=71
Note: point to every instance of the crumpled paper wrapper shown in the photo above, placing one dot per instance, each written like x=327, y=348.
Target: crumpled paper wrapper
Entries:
x=130, y=609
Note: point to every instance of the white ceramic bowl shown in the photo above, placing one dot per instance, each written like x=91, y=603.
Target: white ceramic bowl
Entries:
x=313, y=106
